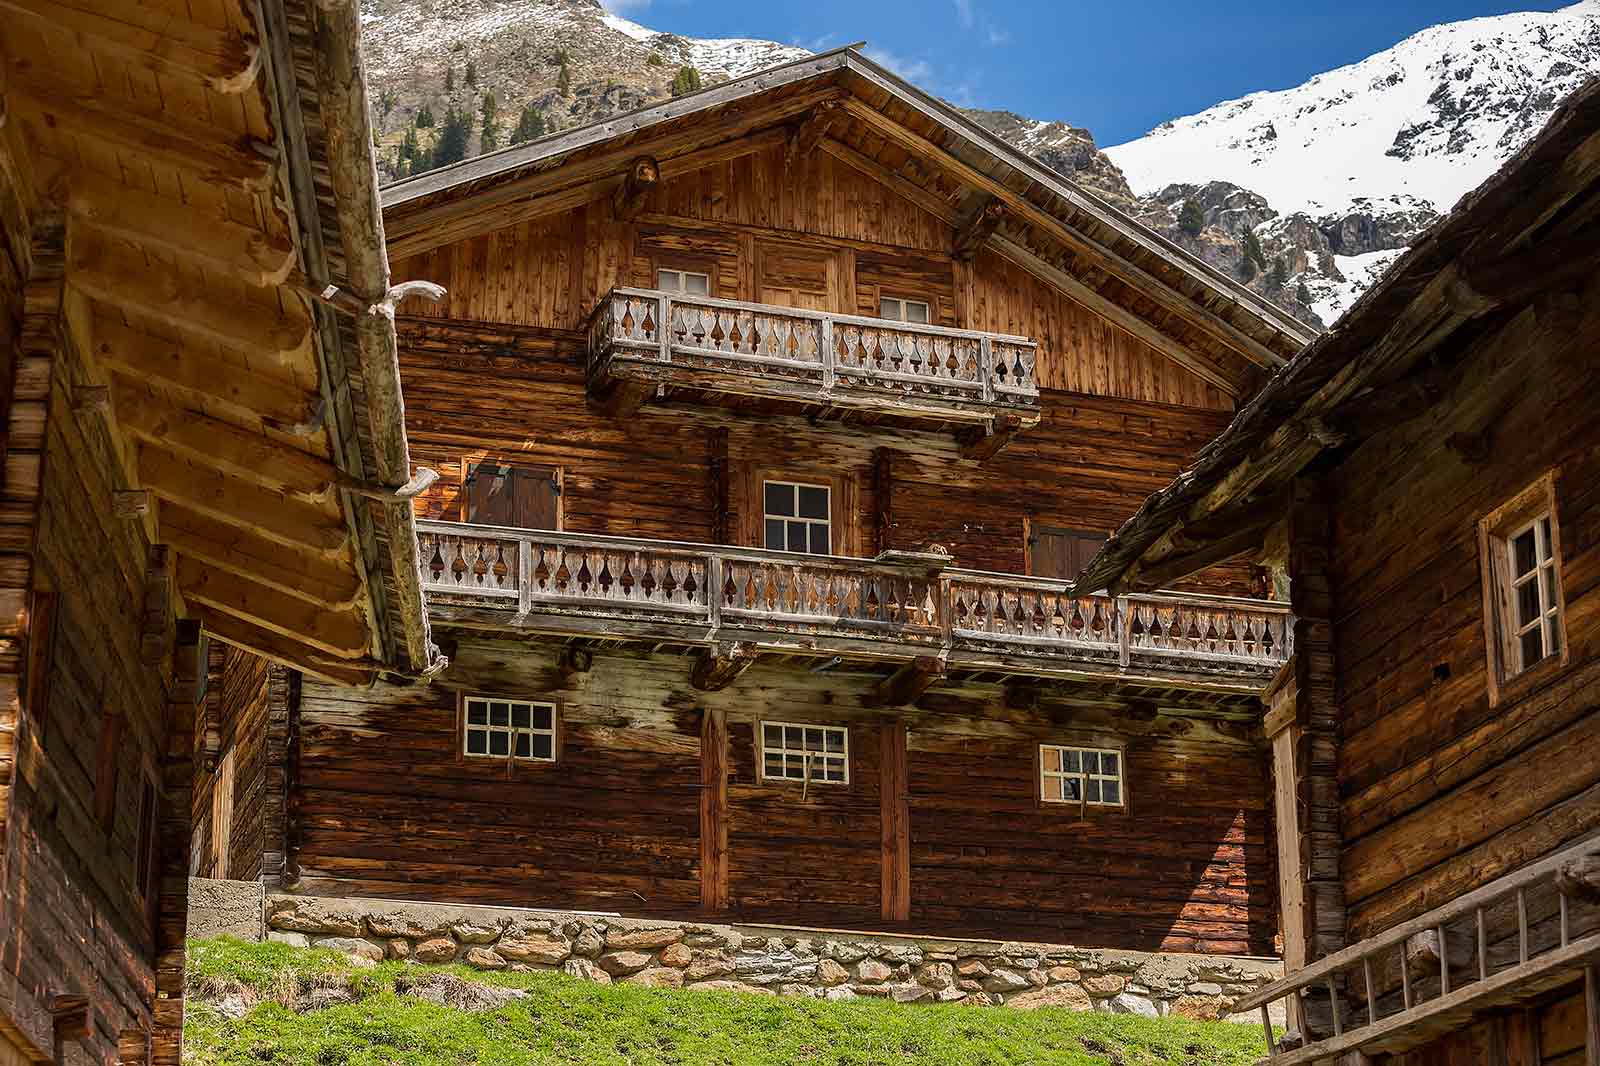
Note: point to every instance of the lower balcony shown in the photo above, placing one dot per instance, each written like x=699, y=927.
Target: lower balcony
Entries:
x=900, y=608
x=647, y=345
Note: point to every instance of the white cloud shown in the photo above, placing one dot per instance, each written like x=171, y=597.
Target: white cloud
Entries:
x=998, y=36
x=965, y=13
x=625, y=7
x=916, y=71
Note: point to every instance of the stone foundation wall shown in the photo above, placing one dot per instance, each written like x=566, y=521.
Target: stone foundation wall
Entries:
x=772, y=960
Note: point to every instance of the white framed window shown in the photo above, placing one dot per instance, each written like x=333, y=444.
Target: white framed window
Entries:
x=1523, y=610
x=797, y=517
x=494, y=727
x=897, y=309
x=1090, y=776
x=792, y=751
x=687, y=282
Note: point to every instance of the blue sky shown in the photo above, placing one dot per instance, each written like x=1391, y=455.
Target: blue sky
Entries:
x=1117, y=68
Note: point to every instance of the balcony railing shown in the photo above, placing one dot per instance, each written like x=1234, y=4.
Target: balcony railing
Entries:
x=814, y=358
x=894, y=607
x=1508, y=942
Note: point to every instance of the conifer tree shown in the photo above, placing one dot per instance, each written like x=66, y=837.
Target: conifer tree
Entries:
x=1247, y=265
x=1303, y=294
x=472, y=74
x=687, y=80
x=1191, y=219
x=1278, y=274
x=451, y=146
x=449, y=79
x=489, y=139
x=564, y=79
x=424, y=118
x=530, y=124
x=1253, y=252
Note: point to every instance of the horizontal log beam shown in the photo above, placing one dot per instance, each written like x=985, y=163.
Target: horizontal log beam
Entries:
x=342, y=634
x=187, y=368
x=240, y=453
x=152, y=38
x=718, y=667
x=279, y=649
x=311, y=576
x=278, y=518
x=907, y=684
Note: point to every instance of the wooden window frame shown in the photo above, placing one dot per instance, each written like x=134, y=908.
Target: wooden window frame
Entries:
x=510, y=760
x=1083, y=802
x=683, y=275
x=1496, y=531
x=904, y=301
x=472, y=460
x=844, y=504
x=806, y=779
x=809, y=522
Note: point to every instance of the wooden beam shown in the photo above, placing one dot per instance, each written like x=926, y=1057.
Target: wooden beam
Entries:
x=148, y=37
x=268, y=645
x=283, y=519
x=720, y=666
x=91, y=399
x=237, y=452
x=310, y=576
x=622, y=400
x=809, y=134
x=113, y=274
x=910, y=681
x=342, y=634
x=714, y=810
x=895, y=820
x=242, y=252
x=130, y=353
x=1158, y=291
x=576, y=658
x=1141, y=328
x=207, y=154
x=644, y=174
x=130, y=504
x=987, y=441
x=976, y=229
x=868, y=167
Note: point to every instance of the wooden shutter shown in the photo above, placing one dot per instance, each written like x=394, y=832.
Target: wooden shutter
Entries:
x=525, y=497
x=1063, y=553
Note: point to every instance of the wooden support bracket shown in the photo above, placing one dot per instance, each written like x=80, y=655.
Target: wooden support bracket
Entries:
x=130, y=505
x=984, y=444
x=575, y=659
x=906, y=684
x=808, y=135
x=719, y=667
x=974, y=231
x=1580, y=879
x=91, y=399
x=644, y=174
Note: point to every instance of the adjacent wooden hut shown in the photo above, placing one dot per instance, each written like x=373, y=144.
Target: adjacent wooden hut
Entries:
x=200, y=432
x=772, y=422
x=1428, y=474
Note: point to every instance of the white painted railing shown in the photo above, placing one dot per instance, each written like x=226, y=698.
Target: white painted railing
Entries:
x=838, y=355
x=912, y=600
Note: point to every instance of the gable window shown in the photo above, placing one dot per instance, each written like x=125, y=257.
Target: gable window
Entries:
x=797, y=517
x=1521, y=548
x=797, y=752
x=521, y=496
x=496, y=728
x=1090, y=776
x=688, y=282
x=896, y=309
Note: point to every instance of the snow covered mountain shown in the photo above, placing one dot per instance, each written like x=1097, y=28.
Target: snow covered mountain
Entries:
x=1371, y=152
x=1304, y=194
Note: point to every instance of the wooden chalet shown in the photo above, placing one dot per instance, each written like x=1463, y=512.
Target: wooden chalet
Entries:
x=202, y=435
x=772, y=423
x=1429, y=475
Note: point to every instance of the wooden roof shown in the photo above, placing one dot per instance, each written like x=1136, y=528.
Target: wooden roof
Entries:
x=850, y=107
x=1531, y=229
x=206, y=167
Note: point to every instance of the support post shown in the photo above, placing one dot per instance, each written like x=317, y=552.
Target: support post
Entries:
x=714, y=810
x=895, y=810
x=1591, y=1013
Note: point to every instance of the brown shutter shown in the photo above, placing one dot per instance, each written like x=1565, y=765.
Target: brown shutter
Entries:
x=535, y=492
x=1063, y=553
x=489, y=495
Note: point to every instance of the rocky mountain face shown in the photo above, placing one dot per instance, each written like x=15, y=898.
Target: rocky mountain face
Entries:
x=1305, y=195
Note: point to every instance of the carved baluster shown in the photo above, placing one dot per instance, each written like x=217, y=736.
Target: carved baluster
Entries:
x=436, y=560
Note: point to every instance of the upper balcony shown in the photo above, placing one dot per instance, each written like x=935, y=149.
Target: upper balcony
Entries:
x=899, y=608
x=646, y=344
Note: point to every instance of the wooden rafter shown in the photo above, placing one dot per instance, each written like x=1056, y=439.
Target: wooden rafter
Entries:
x=147, y=37
x=270, y=645
x=338, y=633
x=278, y=518
x=310, y=576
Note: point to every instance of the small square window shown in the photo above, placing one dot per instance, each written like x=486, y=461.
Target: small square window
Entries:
x=798, y=518
x=687, y=282
x=1089, y=776
x=508, y=729
x=1523, y=609
x=805, y=753
x=896, y=309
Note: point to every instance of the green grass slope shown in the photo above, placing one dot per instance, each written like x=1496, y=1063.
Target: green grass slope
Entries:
x=257, y=1004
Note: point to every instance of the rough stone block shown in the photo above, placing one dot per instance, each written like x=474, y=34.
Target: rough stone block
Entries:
x=352, y=946
x=1004, y=981
x=1199, y=1008
x=437, y=950
x=837, y=994
x=846, y=953
x=1108, y=984
x=543, y=948
x=586, y=969
x=972, y=968
x=1070, y=997
x=1131, y=1003
x=1064, y=973
x=910, y=992
x=481, y=958
x=474, y=931
x=678, y=956
x=657, y=977
x=225, y=908
x=619, y=963
x=872, y=971
x=321, y=916
x=589, y=943
x=398, y=948
x=830, y=973
x=936, y=975
x=642, y=939
x=294, y=940
x=708, y=966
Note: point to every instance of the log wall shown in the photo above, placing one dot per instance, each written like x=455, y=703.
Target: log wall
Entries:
x=236, y=709
x=1550, y=1035
x=382, y=806
x=1441, y=791
x=823, y=237
x=477, y=390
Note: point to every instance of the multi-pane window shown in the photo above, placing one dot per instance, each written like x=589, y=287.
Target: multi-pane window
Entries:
x=797, y=517
x=1080, y=775
x=791, y=752
x=685, y=281
x=496, y=728
x=898, y=310
x=1534, y=628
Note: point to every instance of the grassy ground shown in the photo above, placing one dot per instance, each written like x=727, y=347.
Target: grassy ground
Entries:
x=255, y=1004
